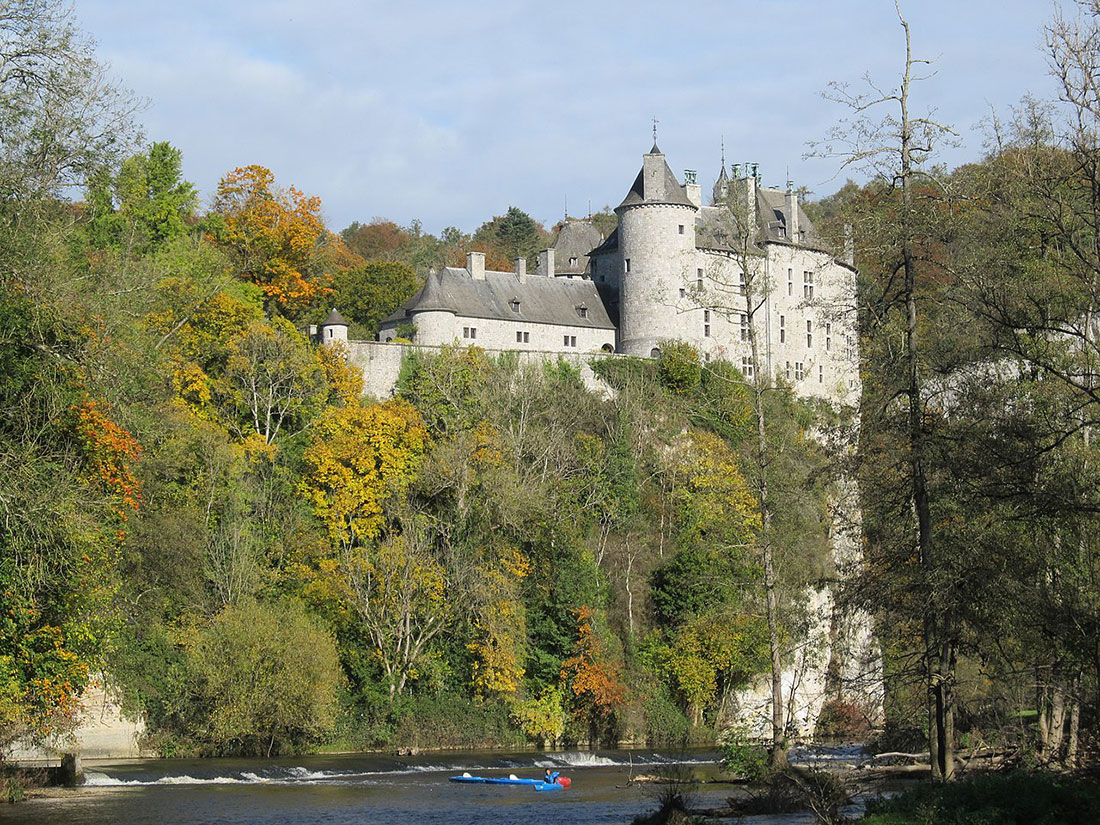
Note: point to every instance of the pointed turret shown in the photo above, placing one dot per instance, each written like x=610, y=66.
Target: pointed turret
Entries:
x=334, y=328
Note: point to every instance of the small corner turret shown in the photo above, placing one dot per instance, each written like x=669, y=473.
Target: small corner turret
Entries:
x=334, y=328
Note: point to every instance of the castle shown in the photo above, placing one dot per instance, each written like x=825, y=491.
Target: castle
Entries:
x=672, y=269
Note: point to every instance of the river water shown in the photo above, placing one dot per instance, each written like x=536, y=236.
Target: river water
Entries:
x=378, y=790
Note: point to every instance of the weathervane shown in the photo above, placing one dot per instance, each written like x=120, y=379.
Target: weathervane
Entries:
x=655, y=122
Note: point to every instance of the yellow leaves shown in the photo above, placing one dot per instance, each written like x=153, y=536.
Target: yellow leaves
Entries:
x=542, y=717
x=501, y=627
x=713, y=496
x=361, y=459
x=345, y=382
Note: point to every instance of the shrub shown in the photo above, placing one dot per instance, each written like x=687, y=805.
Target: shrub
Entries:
x=743, y=755
x=994, y=799
x=269, y=677
x=678, y=368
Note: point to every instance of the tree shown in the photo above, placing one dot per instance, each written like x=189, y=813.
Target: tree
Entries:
x=515, y=234
x=274, y=233
x=360, y=463
x=275, y=381
x=367, y=294
x=143, y=206
x=896, y=150
x=591, y=675
x=62, y=116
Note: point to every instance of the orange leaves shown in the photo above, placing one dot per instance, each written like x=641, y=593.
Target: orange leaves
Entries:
x=109, y=451
x=276, y=234
x=592, y=675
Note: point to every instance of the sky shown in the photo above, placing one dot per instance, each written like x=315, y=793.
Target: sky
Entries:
x=450, y=112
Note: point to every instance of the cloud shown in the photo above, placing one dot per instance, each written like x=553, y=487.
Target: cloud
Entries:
x=451, y=112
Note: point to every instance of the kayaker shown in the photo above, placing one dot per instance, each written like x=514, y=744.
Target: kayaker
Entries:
x=547, y=778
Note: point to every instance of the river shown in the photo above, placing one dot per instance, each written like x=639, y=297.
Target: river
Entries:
x=375, y=789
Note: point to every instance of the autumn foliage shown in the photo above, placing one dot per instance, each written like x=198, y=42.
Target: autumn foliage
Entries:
x=109, y=451
x=275, y=233
x=590, y=673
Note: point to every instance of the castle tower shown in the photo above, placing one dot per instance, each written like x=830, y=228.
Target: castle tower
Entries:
x=657, y=250
x=334, y=328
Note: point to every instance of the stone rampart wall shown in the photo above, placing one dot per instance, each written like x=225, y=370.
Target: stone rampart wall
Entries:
x=380, y=363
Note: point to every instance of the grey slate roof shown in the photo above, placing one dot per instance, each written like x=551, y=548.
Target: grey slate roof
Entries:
x=771, y=211
x=333, y=319
x=541, y=300
x=575, y=240
x=674, y=193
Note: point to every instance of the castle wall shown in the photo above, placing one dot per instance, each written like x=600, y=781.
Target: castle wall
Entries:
x=381, y=362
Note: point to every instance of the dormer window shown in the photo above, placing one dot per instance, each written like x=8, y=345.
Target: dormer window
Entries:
x=572, y=261
x=514, y=304
x=582, y=311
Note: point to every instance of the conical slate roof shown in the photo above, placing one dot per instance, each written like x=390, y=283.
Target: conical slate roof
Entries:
x=334, y=319
x=674, y=193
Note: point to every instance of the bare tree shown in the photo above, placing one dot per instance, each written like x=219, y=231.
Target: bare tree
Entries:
x=896, y=149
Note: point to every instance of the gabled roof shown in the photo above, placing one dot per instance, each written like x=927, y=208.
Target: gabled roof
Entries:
x=541, y=300
x=575, y=240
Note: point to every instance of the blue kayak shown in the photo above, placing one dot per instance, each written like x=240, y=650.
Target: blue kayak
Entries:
x=537, y=784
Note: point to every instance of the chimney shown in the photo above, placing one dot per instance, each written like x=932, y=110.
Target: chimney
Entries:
x=750, y=196
x=546, y=263
x=849, y=245
x=475, y=265
x=653, y=176
x=521, y=269
x=694, y=193
x=792, y=215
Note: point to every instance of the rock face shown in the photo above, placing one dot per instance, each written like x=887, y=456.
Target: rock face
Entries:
x=834, y=658
x=102, y=731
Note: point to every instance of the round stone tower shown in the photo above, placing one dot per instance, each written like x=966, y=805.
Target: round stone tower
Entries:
x=657, y=249
x=334, y=328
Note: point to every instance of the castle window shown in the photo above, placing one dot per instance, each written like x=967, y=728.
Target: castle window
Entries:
x=523, y=337
x=681, y=229
x=706, y=315
x=626, y=264
x=572, y=261
x=514, y=304
x=828, y=336
x=655, y=352
x=582, y=311
x=746, y=366
x=569, y=340
x=699, y=278
x=706, y=330
x=782, y=329
x=807, y=284
x=809, y=333
x=799, y=373
x=469, y=332
x=788, y=371
x=820, y=374
x=741, y=282
x=744, y=327
x=790, y=282
x=683, y=292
